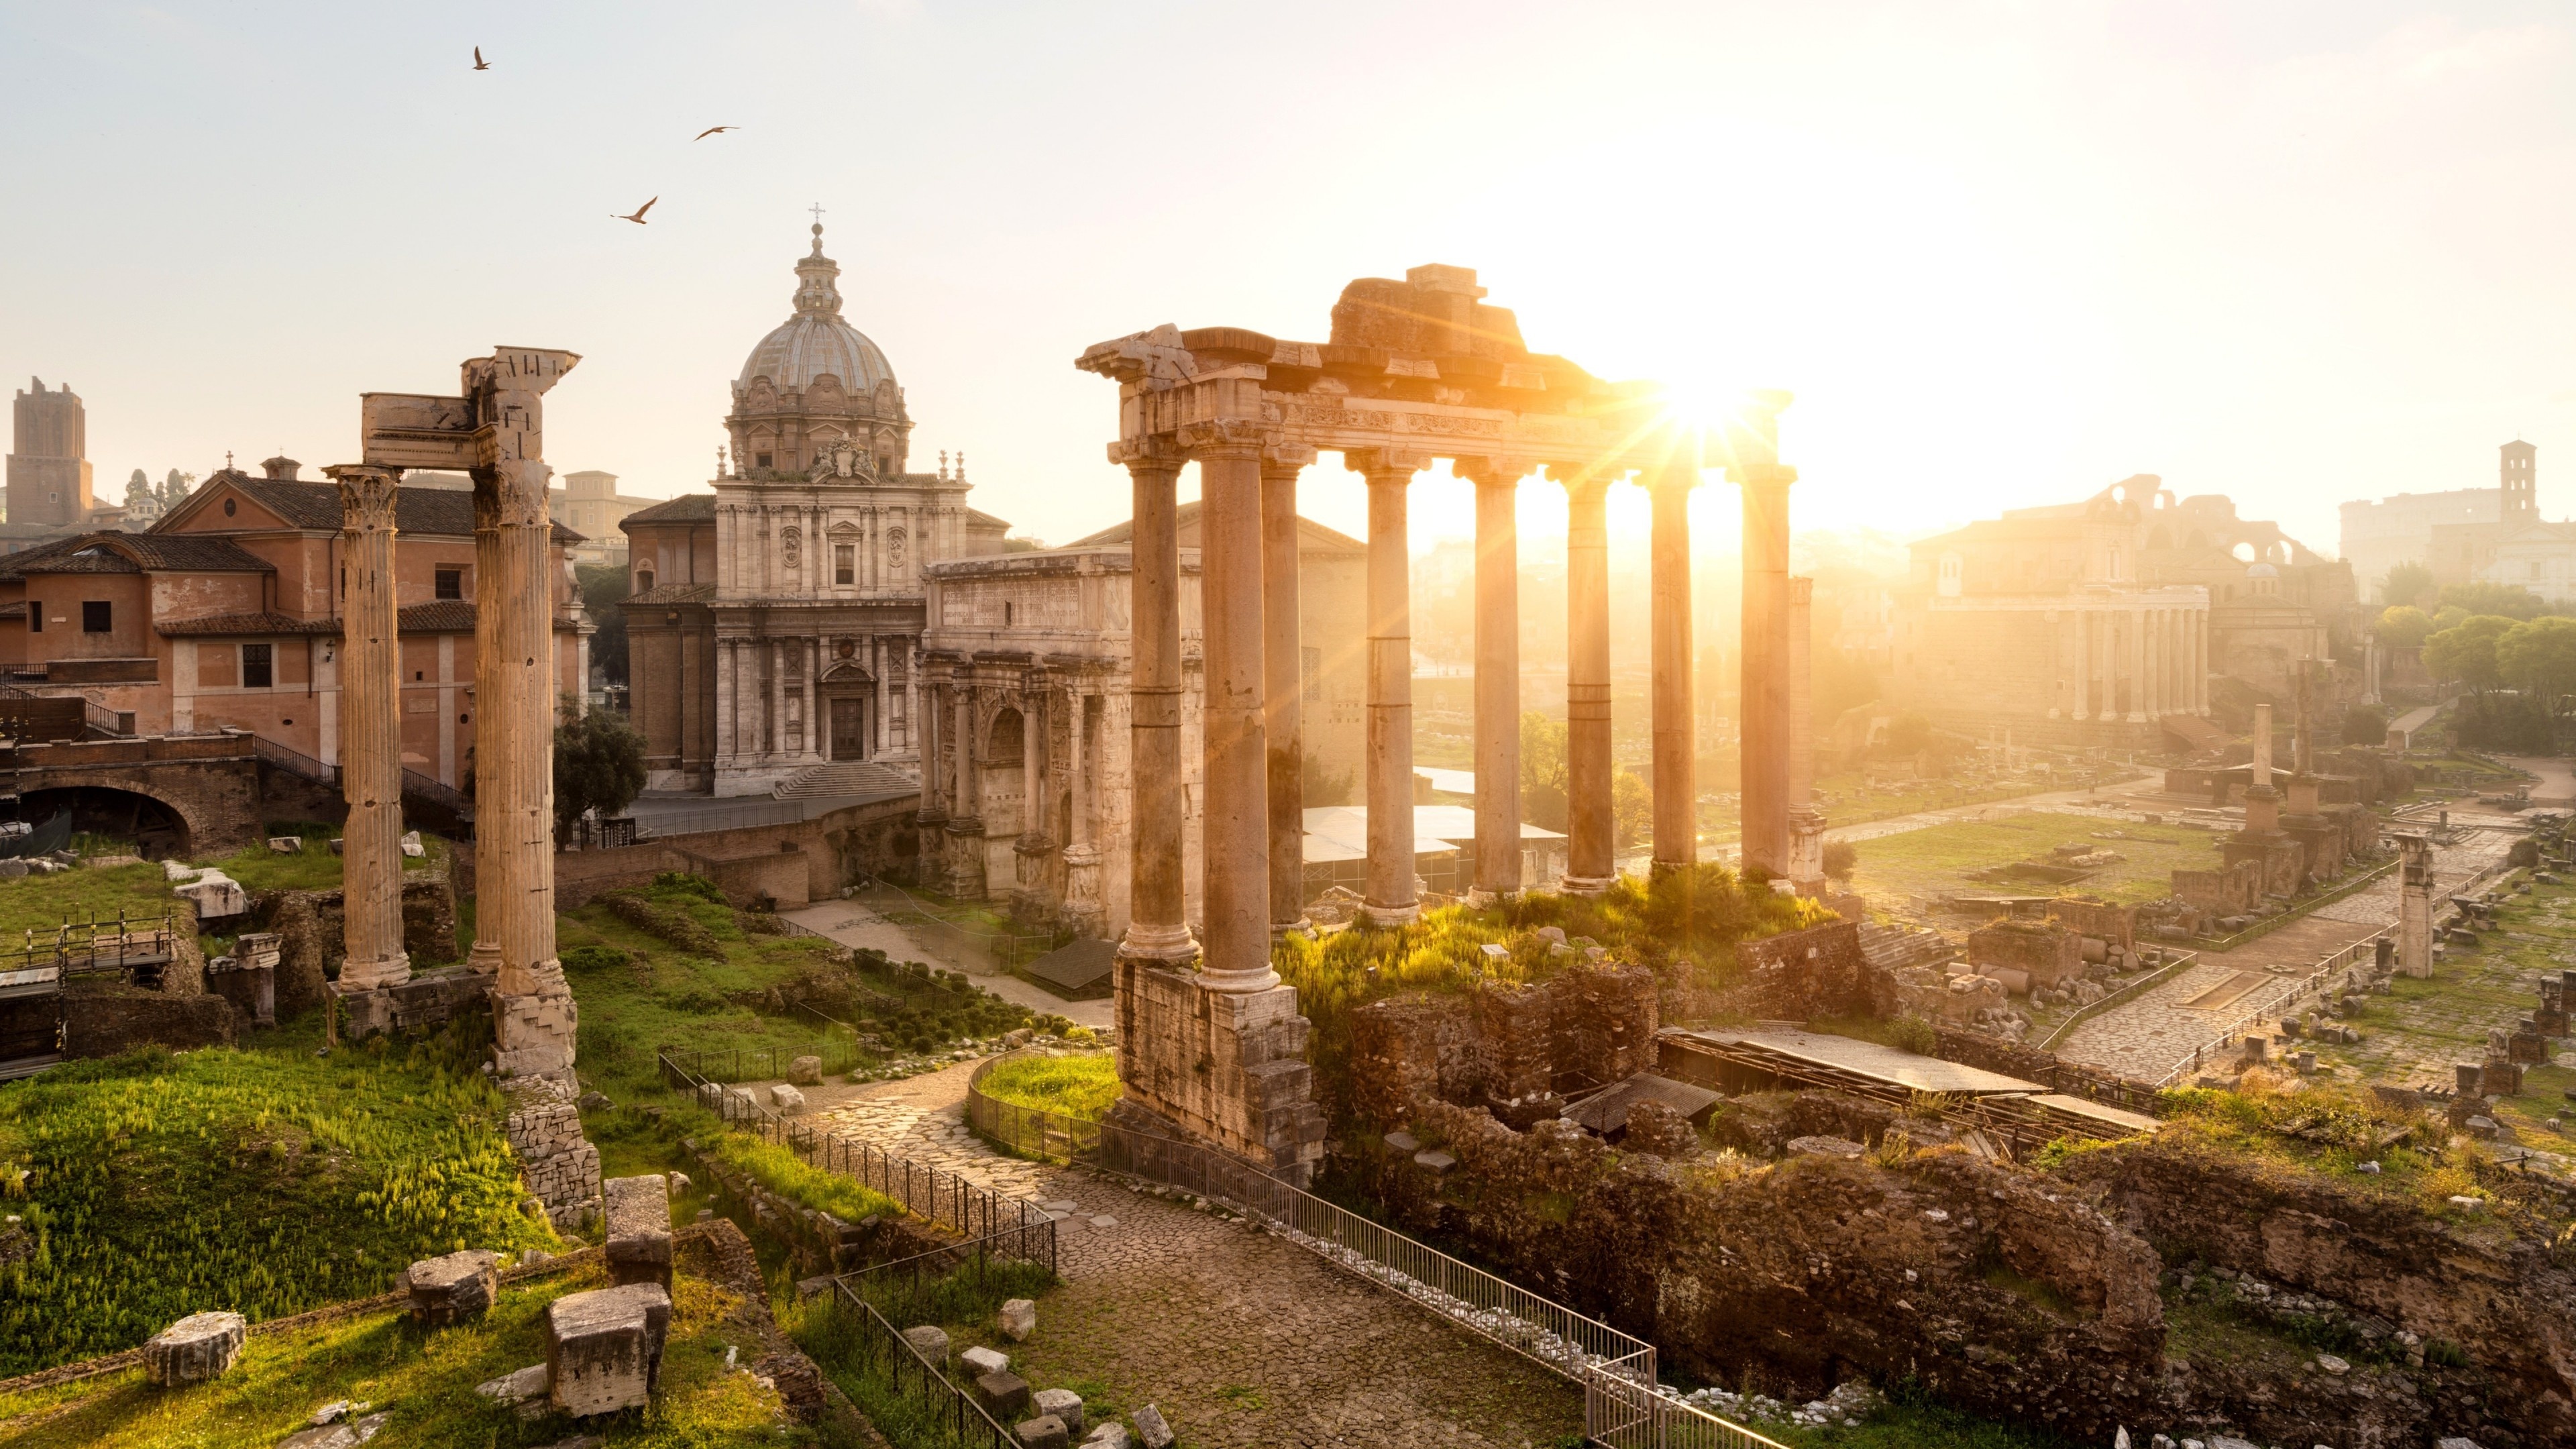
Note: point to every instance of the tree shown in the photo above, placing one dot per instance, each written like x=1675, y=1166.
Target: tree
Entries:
x=138, y=489
x=2406, y=585
x=1841, y=859
x=2466, y=655
x=1318, y=786
x=603, y=586
x=2404, y=627
x=1908, y=734
x=2540, y=656
x=2448, y=617
x=1632, y=807
x=2511, y=601
x=599, y=764
x=1543, y=771
x=174, y=488
x=2365, y=724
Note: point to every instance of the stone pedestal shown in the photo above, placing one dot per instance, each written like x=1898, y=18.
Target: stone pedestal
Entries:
x=637, y=1211
x=1224, y=1067
x=560, y=1166
x=453, y=1288
x=604, y=1347
x=198, y=1347
x=1807, y=849
x=966, y=858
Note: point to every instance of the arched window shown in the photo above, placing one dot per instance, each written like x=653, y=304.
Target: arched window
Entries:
x=1003, y=744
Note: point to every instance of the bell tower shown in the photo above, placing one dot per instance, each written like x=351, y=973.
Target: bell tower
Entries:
x=49, y=474
x=2520, y=479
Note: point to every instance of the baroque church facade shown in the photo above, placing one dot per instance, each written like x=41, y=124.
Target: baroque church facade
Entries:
x=774, y=625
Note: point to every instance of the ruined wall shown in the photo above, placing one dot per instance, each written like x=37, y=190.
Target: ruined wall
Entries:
x=1799, y=975
x=2279, y=860
x=312, y=934
x=793, y=864
x=1221, y=1066
x=2049, y=952
x=2113, y=925
x=2234, y=889
x=108, y=1018
x=1504, y=1042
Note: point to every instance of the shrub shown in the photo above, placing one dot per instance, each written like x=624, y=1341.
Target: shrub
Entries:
x=593, y=958
x=670, y=923
x=1841, y=859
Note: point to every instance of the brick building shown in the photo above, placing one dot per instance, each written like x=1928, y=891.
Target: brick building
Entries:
x=226, y=613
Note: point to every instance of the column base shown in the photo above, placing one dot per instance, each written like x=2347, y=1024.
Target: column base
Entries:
x=1239, y=982
x=485, y=958
x=1302, y=926
x=1585, y=885
x=1658, y=869
x=1389, y=917
x=1158, y=945
x=392, y=970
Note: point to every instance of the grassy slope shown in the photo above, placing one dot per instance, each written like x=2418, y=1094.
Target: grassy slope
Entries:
x=1078, y=1086
x=42, y=903
x=268, y=1182
x=425, y=1381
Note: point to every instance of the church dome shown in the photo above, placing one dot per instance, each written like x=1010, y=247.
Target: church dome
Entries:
x=816, y=341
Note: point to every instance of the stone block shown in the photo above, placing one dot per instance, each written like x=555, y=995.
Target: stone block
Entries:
x=981, y=1361
x=1825, y=1147
x=216, y=894
x=930, y=1341
x=806, y=1071
x=454, y=1287
x=411, y=845
x=1151, y=1430
x=786, y=1098
x=346, y=1435
x=516, y=1388
x=1064, y=1404
x=1003, y=1395
x=1018, y=1319
x=604, y=1347
x=1046, y=1431
x=286, y=844
x=638, y=1216
x=1111, y=1435
x=198, y=1347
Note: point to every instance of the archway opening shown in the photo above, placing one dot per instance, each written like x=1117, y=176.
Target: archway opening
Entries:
x=157, y=830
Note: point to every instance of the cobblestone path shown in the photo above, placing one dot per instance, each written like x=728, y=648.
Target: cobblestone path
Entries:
x=1243, y=1340
x=2148, y=1037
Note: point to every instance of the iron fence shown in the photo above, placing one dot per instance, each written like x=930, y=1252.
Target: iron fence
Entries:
x=1623, y=1404
x=1028, y=1129
x=2316, y=977
x=756, y=1064
x=139, y=949
x=887, y=1356
x=725, y=817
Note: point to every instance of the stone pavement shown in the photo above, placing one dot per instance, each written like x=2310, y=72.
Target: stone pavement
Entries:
x=853, y=924
x=2150, y=1036
x=1241, y=1338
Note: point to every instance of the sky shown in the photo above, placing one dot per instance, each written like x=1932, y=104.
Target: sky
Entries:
x=2004, y=254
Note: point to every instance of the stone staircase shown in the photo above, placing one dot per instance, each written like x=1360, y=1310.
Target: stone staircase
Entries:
x=1892, y=948
x=845, y=777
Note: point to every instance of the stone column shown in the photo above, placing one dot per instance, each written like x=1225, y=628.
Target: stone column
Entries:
x=534, y=1018
x=1157, y=930
x=813, y=695
x=492, y=712
x=2262, y=801
x=773, y=652
x=370, y=733
x=932, y=818
x=1389, y=898
x=1034, y=789
x=1283, y=683
x=1802, y=706
x=1234, y=936
x=966, y=813
x=2083, y=664
x=1766, y=674
x=2133, y=658
x=1083, y=912
x=1498, y=676
x=2415, y=897
x=2154, y=641
x=1676, y=818
x=1591, y=842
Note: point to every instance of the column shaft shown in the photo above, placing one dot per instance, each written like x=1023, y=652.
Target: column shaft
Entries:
x=2083, y=670
x=1389, y=898
x=371, y=734
x=1766, y=684
x=1498, y=682
x=1676, y=797
x=1155, y=926
x=492, y=719
x=1282, y=660
x=1234, y=938
x=1802, y=706
x=2133, y=659
x=1590, y=859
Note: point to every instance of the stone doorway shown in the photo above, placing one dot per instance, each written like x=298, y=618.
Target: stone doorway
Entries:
x=849, y=721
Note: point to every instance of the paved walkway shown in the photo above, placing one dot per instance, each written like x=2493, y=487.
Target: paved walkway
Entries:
x=2076, y=801
x=853, y=924
x=1240, y=1338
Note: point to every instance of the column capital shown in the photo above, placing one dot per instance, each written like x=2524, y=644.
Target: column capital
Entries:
x=1220, y=437
x=1155, y=454
x=1761, y=475
x=367, y=495
x=1281, y=459
x=1385, y=465
x=1493, y=472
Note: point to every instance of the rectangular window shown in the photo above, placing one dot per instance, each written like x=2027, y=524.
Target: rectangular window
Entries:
x=35, y=616
x=255, y=666
x=451, y=583
x=1311, y=673
x=845, y=563
x=98, y=616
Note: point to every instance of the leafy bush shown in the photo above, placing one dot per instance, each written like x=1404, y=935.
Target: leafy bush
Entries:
x=1841, y=859
x=593, y=958
x=668, y=922
x=265, y=1183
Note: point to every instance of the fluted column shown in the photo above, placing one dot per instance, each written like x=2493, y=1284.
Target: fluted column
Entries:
x=1282, y=660
x=1083, y=914
x=1498, y=675
x=1765, y=753
x=1802, y=706
x=1156, y=927
x=1676, y=798
x=2133, y=659
x=370, y=734
x=1590, y=854
x=2083, y=665
x=1234, y=937
x=534, y=1019
x=1389, y=898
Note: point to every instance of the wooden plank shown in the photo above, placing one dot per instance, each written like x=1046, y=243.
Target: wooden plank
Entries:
x=1868, y=1059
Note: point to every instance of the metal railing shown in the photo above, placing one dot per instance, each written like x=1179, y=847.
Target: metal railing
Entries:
x=293, y=762
x=1624, y=1406
x=928, y=924
x=890, y=1358
x=139, y=949
x=1028, y=1129
x=757, y=1064
x=417, y=786
x=2290, y=993
x=2176, y=962
x=727, y=817
x=114, y=723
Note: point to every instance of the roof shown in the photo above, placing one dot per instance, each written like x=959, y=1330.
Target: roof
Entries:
x=661, y=594
x=979, y=516
x=687, y=508
x=130, y=553
x=1311, y=536
x=439, y=616
x=1607, y=1110
x=1080, y=965
x=446, y=512
x=1340, y=832
x=816, y=341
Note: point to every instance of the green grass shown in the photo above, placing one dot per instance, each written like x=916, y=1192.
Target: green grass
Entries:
x=314, y=868
x=41, y=903
x=263, y=1182
x=792, y=1177
x=425, y=1381
x=963, y=1302
x=1083, y=1086
x=1936, y=860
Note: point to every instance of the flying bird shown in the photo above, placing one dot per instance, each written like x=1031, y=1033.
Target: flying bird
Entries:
x=712, y=130
x=479, y=62
x=638, y=217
